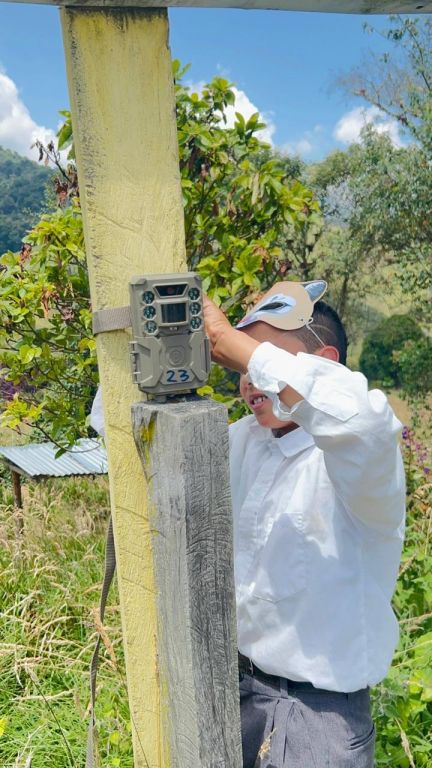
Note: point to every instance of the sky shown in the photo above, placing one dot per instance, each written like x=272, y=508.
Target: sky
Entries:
x=284, y=65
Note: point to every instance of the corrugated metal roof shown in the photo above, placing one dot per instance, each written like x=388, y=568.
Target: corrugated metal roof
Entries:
x=87, y=457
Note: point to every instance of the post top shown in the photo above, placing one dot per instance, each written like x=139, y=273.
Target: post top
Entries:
x=323, y=6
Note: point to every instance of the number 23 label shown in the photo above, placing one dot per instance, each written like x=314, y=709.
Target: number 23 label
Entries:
x=177, y=376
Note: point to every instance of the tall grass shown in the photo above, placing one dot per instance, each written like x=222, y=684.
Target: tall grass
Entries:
x=49, y=590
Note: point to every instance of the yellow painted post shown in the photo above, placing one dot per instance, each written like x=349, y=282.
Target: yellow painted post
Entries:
x=123, y=112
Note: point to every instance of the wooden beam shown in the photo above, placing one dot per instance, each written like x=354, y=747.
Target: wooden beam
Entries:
x=123, y=113
x=14, y=468
x=320, y=6
x=17, y=494
x=184, y=450
x=16, y=486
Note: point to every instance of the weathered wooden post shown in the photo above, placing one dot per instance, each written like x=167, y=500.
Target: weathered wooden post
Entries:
x=184, y=450
x=16, y=485
x=18, y=502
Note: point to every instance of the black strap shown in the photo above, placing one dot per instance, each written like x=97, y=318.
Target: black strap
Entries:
x=110, y=565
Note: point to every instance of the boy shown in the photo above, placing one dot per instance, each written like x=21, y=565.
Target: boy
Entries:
x=318, y=501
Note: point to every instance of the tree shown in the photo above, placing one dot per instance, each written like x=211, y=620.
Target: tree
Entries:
x=394, y=194
x=392, y=197
x=399, y=81
x=247, y=222
x=414, y=362
x=378, y=360
x=380, y=197
x=340, y=256
x=46, y=346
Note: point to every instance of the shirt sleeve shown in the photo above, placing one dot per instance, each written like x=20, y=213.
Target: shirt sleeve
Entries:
x=96, y=414
x=355, y=428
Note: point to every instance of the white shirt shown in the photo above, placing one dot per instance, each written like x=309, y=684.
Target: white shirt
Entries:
x=318, y=525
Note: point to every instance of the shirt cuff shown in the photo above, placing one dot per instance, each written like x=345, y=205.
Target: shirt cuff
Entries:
x=323, y=385
x=281, y=411
x=271, y=369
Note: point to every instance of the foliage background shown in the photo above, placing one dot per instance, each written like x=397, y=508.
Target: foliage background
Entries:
x=248, y=221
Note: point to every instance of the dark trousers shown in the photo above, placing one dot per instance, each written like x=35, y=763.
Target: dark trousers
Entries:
x=289, y=725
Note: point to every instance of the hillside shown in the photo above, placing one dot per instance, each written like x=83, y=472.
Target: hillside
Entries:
x=22, y=196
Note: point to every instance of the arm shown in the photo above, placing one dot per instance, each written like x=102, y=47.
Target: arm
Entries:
x=356, y=429
x=234, y=349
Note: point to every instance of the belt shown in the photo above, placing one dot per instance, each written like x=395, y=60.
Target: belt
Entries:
x=247, y=667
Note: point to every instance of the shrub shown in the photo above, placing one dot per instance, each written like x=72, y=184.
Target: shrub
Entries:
x=378, y=360
x=415, y=367
x=403, y=701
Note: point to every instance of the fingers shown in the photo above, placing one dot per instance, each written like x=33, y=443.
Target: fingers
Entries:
x=215, y=321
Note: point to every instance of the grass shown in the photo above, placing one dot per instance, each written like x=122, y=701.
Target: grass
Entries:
x=49, y=591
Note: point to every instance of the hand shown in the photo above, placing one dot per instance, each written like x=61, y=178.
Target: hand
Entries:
x=216, y=324
x=229, y=347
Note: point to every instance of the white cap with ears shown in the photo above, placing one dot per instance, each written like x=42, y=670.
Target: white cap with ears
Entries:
x=286, y=305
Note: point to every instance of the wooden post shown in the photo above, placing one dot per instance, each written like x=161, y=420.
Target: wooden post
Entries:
x=18, y=503
x=16, y=486
x=123, y=114
x=184, y=450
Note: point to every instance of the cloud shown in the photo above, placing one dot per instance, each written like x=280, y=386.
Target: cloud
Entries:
x=18, y=130
x=196, y=87
x=301, y=147
x=307, y=144
x=349, y=127
x=247, y=108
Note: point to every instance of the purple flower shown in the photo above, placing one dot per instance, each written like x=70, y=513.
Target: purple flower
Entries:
x=7, y=389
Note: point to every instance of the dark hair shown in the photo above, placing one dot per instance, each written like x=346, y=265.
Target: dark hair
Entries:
x=328, y=326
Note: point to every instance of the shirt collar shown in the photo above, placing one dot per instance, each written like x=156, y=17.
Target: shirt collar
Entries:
x=290, y=444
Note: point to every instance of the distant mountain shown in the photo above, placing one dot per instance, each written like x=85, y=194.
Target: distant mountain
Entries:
x=22, y=196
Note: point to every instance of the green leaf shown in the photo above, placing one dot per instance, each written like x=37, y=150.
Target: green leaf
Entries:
x=27, y=353
x=114, y=738
x=64, y=135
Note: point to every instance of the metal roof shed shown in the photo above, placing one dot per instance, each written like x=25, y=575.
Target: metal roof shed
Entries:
x=38, y=460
